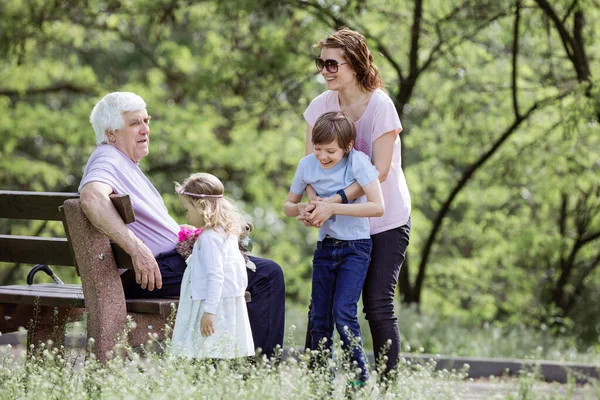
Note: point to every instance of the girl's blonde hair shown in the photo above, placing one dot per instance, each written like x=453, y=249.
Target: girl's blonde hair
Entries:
x=205, y=193
x=354, y=46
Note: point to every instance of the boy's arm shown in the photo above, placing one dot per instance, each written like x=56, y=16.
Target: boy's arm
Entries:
x=292, y=206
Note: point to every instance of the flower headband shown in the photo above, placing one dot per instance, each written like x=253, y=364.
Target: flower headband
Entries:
x=181, y=191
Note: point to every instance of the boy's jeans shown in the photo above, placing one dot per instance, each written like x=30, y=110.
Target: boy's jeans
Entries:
x=339, y=271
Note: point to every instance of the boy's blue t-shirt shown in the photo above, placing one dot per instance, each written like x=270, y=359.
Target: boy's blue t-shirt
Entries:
x=356, y=166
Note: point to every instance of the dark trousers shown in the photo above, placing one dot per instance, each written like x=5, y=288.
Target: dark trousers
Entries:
x=387, y=256
x=266, y=285
x=267, y=305
x=339, y=271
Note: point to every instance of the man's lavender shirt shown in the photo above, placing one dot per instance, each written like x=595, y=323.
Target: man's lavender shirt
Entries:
x=153, y=224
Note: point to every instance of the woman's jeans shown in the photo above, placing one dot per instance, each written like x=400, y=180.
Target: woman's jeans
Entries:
x=339, y=271
x=389, y=252
x=387, y=256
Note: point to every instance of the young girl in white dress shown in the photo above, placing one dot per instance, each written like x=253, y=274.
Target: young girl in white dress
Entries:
x=212, y=318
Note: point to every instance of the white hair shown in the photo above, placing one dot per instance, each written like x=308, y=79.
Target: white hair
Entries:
x=107, y=114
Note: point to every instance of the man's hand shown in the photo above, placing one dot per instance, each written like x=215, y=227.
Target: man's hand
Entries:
x=147, y=274
x=207, y=324
x=97, y=207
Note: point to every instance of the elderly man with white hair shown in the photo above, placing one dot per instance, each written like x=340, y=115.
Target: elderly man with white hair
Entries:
x=122, y=127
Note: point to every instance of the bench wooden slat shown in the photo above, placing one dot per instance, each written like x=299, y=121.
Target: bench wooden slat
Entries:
x=44, y=205
x=33, y=205
x=151, y=306
x=59, y=296
x=71, y=296
x=35, y=250
x=42, y=288
x=122, y=259
x=122, y=203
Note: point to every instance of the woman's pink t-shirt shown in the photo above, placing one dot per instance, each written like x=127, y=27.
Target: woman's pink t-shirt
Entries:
x=379, y=117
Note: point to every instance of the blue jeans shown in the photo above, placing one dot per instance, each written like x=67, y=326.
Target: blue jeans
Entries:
x=339, y=271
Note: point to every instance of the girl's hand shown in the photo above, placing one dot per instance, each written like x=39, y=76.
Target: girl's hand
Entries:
x=322, y=212
x=207, y=324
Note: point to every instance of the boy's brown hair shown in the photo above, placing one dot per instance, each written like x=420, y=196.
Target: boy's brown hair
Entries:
x=334, y=125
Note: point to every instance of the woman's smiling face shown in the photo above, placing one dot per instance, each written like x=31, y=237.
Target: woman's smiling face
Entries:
x=344, y=76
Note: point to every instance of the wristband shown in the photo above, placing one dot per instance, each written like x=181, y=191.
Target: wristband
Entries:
x=343, y=196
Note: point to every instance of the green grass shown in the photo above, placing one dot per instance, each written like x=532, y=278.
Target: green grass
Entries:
x=52, y=374
x=430, y=334
x=59, y=373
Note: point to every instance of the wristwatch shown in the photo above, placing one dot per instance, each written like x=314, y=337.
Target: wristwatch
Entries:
x=343, y=196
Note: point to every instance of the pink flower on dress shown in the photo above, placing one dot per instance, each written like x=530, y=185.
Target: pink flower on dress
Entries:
x=185, y=233
x=362, y=145
x=187, y=237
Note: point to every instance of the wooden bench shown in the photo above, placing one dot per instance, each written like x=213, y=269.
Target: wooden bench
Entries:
x=44, y=309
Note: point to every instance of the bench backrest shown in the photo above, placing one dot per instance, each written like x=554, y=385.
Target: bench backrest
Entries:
x=47, y=206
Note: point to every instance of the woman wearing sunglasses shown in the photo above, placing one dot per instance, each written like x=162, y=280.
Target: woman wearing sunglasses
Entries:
x=354, y=87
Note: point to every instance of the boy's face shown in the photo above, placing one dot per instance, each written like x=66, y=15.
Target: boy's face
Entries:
x=329, y=155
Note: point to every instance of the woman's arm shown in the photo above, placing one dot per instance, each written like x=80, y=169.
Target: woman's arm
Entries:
x=383, y=151
x=309, y=143
x=373, y=207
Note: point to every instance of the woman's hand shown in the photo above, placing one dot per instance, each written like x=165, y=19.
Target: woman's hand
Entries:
x=207, y=324
x=322, y=212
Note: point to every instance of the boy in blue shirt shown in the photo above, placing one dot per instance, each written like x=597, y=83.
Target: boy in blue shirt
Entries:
x=343, y=250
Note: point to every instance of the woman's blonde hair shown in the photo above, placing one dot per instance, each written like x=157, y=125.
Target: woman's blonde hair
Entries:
x=205, y=193
x=354, y=46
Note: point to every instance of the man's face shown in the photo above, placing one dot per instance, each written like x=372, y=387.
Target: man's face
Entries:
x=134, y=138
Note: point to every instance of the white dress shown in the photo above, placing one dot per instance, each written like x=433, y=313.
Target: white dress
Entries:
x=233, y=335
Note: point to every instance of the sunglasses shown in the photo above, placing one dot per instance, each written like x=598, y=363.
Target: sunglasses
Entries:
x=330, y=65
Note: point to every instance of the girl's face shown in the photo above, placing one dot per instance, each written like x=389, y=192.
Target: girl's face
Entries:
x=344, y=77
x=193, y=216
x=329, y=155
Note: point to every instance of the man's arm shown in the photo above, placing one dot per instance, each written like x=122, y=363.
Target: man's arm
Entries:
x=97, y=207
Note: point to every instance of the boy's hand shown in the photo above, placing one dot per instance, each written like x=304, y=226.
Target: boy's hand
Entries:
x=304, y=211
x=322, y=212
x=207, y=324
